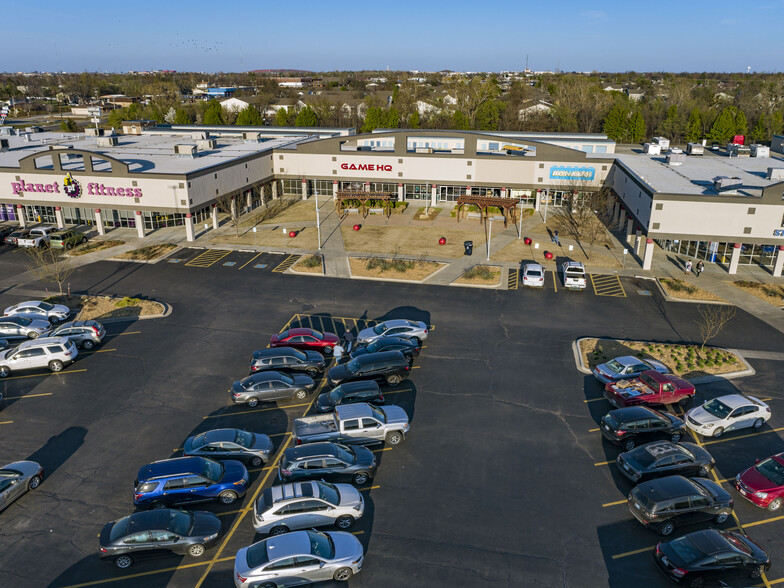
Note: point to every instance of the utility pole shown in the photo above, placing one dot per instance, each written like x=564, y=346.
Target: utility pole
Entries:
x=489, y=236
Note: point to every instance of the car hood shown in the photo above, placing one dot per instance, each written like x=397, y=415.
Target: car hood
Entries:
x=313, y=355
x=331, y=338
x=346, y=545
x=205, y=523
x=303, y=380
x=103, y=540
x=367, y=334
x=233, y=471
x=756, y=481
x=349, y=495
x=358, y=351
x=365, y=457
x=60, y=309
x=702, y=416
x=395, y=414
x=338, y=373
x=28, y=468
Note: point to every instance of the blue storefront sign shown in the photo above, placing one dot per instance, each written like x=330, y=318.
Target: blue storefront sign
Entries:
x=580, y=174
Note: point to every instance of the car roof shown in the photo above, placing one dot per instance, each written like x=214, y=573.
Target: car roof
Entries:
x=277, y=494
x=631, y=413
x=69, y=324
x=735, y=400
x=709, y=541
x=627, y=360
x=379, y=356
x=394, y=340
x=43, y=341
x=288, y=544
x=311, y=450
x=148, y=520
x=662, y=449
x=276, y=352
x=171, y=467
x=220, y=435
x=265, y=376
x=353, y=411
x=299, y=331
x=399, y=323
x=533, y=266
x=667, y=488
x=359, y=385
x=569, y=264
x=35, y=303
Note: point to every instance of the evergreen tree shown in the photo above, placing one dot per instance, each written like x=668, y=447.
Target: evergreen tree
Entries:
x=181, y=117
x=249, y=116
x=694, y=126
x=459, y=121
x=672, y=125
x=282, y=117
x=741, y=124
x=616, y=125
x=637, y=128
x=374, y=119
x=213, y=114
x=760, y=132
x=413, y=120
x=724, y=126
x=68, y=125
x=393, y=119
x=306, y=118
x=776, y=124
x=488, y=115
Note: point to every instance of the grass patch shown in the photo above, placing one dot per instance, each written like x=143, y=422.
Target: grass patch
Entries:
x=149, y=252
x=105, y=307
x=311, y=264
x=481, y=274
x=93, y=246
x=427, y=213
x=771, y=293
x=283, y=210
x=411, y=241
x=676, y=288
x=394, y=269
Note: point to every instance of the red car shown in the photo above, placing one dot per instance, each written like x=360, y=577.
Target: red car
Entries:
x=305, y=339
x=763, y=483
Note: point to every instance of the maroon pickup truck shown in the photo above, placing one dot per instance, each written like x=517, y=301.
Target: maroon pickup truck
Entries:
x=650, y=388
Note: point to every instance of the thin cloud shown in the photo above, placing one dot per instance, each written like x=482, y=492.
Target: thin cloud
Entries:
x=594, y=14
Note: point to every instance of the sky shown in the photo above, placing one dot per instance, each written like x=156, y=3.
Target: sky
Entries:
x=242, y=35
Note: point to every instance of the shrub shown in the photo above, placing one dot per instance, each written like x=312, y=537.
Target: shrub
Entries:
x=481, y=272
x=312, y=261
x=679, y=285
x=385, y=265
x=127, y=301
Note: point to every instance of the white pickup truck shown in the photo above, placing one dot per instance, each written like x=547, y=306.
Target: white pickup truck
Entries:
x=38, y=237
x=354, y=424
x=574, y=275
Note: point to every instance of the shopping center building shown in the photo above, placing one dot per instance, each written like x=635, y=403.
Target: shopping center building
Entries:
x=151, y=177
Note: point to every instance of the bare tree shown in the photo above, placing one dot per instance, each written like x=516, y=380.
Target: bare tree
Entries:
x=712, y=320
x=227, y=204
x=49, y=265
x=584, y=216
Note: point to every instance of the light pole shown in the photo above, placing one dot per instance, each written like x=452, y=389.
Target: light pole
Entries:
x=489, y=236
x=520, y=214
x=318, y=223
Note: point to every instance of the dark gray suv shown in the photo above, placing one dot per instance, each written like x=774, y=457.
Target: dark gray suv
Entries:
x=387, y=366
x=327, y=461
x=288, y=359
x=84, y=334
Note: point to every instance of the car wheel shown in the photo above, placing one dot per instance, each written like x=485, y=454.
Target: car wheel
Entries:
x=758, y=423
x=756, y=573
x=774, y=505
x=312, y=372
x=88, y=344
x=123, y=561
x=252, y=402
x=394, y=380
x=34, y=482
x=33, y=334
x=394, y=438
x=721, y=517
x=718, y=432
x=54, y=320
x=196, y=550
x=704, y=471
x=227, y=497
x=279, y=530
x=328, y=350
x=344, y=522
x=675, y=437
x=301, y=394
x=685, y=401
x=417, y=340
x=629, y=444
x=255, y=461
x=4, y=371
x=342, y=574
x=158, y=505
x=697, y=582
x=666, y=528
x=360, y=478
x=56, y=365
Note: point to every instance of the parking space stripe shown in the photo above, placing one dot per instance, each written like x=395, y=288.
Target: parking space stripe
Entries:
x=607, y=285
x=723, y=439
x=29, y=396
x=43, y=375
x=251, y=259
x=764, y=521
x=555, y=285
x=286, y=263
x=381, y=449
x=366, y=488
x=594, y=399
x=215, y=416
x=6, y=422
x=120, y=334
x=142, y=574
x=616, y=503
x=593, y=430
x=512, y=280
x=635, y=552
x=96, y=351
x=603, y=463
x=208, y=258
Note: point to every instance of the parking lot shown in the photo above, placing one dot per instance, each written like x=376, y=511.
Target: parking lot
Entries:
x=504, y=479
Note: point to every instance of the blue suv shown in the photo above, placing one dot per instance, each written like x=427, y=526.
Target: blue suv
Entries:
x=181, y=480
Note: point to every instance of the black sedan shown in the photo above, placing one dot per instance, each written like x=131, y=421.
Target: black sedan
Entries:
x=627, y=426
x=350, y=393
x=252, y=448
x=272, y=385
x=710, y=555
x=288, y=359
x=665, y=458
x=158, y=532
x=408, y=347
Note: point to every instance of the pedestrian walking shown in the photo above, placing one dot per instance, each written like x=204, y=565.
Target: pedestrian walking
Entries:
x=700, y=268
x=687, y=266
x=337, y=352
x=348, y=338
x=555, y=237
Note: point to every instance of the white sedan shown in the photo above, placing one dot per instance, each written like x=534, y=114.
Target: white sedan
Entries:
x=727, y=413
x=416, y=330
x=38, y=309
x=533, y=275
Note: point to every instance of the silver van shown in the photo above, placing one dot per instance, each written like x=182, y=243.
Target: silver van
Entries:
x=45, y=352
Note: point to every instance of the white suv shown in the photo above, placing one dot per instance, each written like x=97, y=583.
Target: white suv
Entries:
x=304, y=505
x=52, y=352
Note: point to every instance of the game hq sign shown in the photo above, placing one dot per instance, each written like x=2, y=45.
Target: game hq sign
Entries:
x=580, y=174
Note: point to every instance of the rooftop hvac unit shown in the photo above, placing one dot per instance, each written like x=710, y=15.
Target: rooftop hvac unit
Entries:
x=107, y=141
x=185, y=150
x=91, y=132
x=206, y=144
x=652, y=149
x=200, y=135
x=60, y=146
x=251, y=137
x=7, y=130
x=726, y=183
x=759, y=150
x=676, y=158
x=775, y=173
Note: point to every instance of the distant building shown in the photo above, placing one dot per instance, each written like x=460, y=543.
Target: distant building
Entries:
x=234, y=104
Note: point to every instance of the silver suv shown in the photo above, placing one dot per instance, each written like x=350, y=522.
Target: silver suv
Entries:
x=303, y=505
x=52, y=352
x=85, y=334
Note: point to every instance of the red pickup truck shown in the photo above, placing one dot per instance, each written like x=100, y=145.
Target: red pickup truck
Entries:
x=650, y=388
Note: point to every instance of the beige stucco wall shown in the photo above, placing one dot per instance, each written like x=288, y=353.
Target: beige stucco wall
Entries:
x=719, y=219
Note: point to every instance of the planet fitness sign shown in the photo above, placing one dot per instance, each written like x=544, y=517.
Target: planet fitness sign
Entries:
x=73, y=188
x=581, y=174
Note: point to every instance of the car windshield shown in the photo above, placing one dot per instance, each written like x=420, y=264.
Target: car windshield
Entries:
x=373, y=347
x=256, y=555
x=345, y=453
x=329, y=492
x=533, y=273
x=298, y=354
x=736, y=542
x=614, y=366
x=685, y=549
x=243, y=438
x=717, y=408
x=649, y=381
x=772, y=470
x=199, y=440
x=23, y=321
x=379, y=329
x=213, y=470
x=611, y=420
x=335, y=395
x=288, y=380
x=120, y=529
x=45, y=305
x=352, y=367
x=180, y=521
x=318, y=335
x=378, y=413
x=321, y=545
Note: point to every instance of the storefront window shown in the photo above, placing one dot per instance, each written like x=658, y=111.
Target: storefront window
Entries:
x=450, y=193
x=321, y=187
x=292, y=187
x=417, y=192
x=40, y=214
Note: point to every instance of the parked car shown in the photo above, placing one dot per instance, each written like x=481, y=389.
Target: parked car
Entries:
x=37, y=237
x=17, y=478
x=350, y=393
x=389, y=366
x=408, y=347
x=39, y=310
x=47, y=352
x=66, y=239
x=664, y=458
x=180, y=480
x=84, y=334
x=573, y=274
x=533, y=275
x=666, y=503
x=623, y=368
x=727, y=413
x=298, y=558
x=327, y=461
x=354, y=424
x=13, y=237
x=627, y=426
x=394, y=328
x=288, y=359
x=304, y=505
x=651, y=388
x=763, y=483
x=268, y=386
x=711, y=555
x=158, y=533
x=302, y=338
x=252, y=448
x=5, y=231
x=21, y=327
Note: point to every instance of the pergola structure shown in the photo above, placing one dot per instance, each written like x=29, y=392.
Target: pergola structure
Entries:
x=508, y=205
x=387, y=199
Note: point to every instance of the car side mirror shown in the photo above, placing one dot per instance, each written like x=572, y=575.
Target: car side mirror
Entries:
x=321, y=565
x=176, y=539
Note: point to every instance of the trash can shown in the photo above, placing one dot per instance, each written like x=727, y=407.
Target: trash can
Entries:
x=469, y=247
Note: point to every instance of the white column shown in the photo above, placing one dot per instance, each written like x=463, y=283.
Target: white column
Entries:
x=433, y=198
x=734, y=259
x=638, y=243
x=648, y=259
x=248, y=201
x=215, y=223
x=58, y=213
x=622, y=217
x=334, y=189
x=778, y=265
x=20, y=216
x=234, y=206
x=99, y=222
x=400, y=193
x=139, y=224
x=189, y=226
x=538, y=203
x=274, y=190
x=629, y=230
x=304, y=189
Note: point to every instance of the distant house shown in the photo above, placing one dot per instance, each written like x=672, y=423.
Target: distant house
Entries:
x=272, y=109
x=635, y=94
x=116, y=100
x=293, y=82
x=612, y=88
x=234, y=104
x=721, y=96
x=534, y=107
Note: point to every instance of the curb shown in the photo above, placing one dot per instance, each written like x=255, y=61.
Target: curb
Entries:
x=167, y=310
x=669, y=298
x=422, y=281
x=498, y=286
x=291, y=270
x=749, y=371
x=149, y=261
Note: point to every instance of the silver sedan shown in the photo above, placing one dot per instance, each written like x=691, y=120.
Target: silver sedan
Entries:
x=17, y=478
x=21, y=327
x=415, y=330
x=40, y=310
